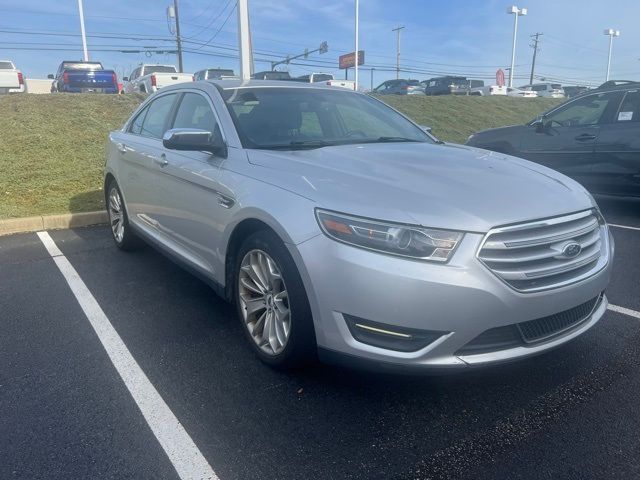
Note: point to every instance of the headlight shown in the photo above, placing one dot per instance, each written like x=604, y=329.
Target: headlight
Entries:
x=395, y=239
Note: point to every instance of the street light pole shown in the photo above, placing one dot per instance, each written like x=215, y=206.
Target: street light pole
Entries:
x=397, y=30
x=517, y=12
x=611, y=33
x=82, y=31
x=244, y=39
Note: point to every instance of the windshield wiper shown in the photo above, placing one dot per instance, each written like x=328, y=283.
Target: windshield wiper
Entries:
x=394, y=139
x=299, y=145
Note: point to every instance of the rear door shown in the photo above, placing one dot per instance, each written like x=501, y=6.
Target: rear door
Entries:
x=141, y=153
x=567, y=140
x=616, y=169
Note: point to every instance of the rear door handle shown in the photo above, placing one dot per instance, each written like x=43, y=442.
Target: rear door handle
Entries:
x=122, y=148
x=162, y=161
x=585, y=137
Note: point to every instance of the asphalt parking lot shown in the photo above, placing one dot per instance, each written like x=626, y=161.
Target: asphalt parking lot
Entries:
x=67, y=413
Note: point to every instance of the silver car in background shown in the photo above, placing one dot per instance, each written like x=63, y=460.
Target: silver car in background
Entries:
x=339, y=227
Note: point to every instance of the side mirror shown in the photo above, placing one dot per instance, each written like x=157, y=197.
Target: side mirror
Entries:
x=426, y=128
x=126, y=79
x=538, y=124
x=50, y=76
x=193, y=139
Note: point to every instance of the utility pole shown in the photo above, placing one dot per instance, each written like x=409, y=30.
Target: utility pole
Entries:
x=82, y=31
x=372, y=69
x=244, y=40
x=356, y=43
x=536, y=39
x=178, y=39
x=611, y=33
x=517, y=12
x=397, y=30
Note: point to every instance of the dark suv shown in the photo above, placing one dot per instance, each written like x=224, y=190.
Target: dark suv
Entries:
x=593, y=138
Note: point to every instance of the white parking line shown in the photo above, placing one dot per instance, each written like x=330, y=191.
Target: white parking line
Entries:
x=624, y=226
x=624, y=311
x=174, y=439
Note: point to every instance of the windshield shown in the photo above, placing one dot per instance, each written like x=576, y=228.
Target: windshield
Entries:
x=297, y=118
x=159, y=69
x=82, y=66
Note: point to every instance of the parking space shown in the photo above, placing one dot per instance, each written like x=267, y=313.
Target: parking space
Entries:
x=569, y=413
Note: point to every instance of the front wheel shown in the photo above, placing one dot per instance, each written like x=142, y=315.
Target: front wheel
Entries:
x=272, y=303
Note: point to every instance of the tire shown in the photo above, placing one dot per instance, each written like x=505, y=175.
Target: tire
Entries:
x=121, y=231
x=299, y=349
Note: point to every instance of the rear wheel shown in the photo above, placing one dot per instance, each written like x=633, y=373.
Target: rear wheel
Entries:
x=121, y=232
x=272, y=303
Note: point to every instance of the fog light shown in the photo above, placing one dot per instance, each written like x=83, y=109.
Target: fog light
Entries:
x=388, y=336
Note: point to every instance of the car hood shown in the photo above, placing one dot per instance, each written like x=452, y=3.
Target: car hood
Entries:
x=443, y=186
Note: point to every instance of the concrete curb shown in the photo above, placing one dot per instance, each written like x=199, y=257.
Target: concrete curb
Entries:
x=52, y=222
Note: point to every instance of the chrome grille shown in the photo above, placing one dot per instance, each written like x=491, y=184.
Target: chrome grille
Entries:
x=531, y=256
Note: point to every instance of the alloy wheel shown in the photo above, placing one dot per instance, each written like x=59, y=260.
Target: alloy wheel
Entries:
x=116, y=214
x=264, y=302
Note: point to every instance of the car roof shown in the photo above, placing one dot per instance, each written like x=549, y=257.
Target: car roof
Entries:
x=236, y=83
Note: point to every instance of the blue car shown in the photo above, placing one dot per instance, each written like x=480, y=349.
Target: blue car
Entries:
x=84, y=77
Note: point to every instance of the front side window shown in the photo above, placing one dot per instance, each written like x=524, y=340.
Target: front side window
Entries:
x=194, y=112
x=294, y=118
x=584, y=111
x=157, y=115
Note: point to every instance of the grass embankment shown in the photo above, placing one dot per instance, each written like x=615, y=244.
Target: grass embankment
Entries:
x=52, y=147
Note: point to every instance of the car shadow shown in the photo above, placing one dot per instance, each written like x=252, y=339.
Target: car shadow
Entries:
x=89, y=201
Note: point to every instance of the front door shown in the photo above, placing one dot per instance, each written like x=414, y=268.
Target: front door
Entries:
x=565, y=140
x=193, y=204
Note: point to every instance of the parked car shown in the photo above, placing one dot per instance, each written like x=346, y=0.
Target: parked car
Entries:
x=11, y=79
x=340, y=228
x=548, y=90
x=574, y=91
x=488, y=90
x=327, y=79
x=516, y=92
x=215, y=74
x=399, y=87
x=83, y=77
x=150, y=78
x=593, y=138
x=271, y=75
x=450, y=85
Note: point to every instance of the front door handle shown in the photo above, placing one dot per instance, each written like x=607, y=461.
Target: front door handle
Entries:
x=585, y=137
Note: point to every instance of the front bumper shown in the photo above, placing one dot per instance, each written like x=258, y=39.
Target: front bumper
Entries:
x=461, y=299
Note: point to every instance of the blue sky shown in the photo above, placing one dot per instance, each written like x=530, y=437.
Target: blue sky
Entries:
x=468, y=37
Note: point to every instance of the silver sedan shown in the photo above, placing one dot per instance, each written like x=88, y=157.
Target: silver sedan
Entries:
x=341, y=229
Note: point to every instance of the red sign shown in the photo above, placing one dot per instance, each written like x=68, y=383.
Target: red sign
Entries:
x=349, y=60
x=500, y=77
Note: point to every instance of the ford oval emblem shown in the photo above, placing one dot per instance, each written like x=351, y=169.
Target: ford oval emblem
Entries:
x=571, y=250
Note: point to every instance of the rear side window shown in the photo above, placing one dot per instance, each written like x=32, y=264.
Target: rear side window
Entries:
x=136, y=125
x=157, y=115
x=630, y=108
x=195, y=112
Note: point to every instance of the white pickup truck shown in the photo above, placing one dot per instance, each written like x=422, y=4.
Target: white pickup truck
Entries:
x=11, y=79
x=150, y=78
x=327, y=79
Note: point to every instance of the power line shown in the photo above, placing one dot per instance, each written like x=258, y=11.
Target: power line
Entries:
x=221, y=27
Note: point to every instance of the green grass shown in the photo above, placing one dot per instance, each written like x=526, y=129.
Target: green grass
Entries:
x=52, y=147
